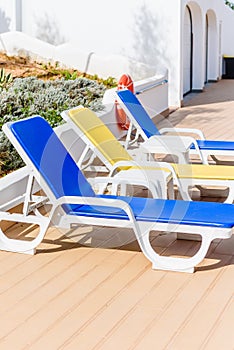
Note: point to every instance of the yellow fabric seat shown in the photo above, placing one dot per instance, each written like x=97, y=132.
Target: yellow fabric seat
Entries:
x=100, y=136
x=108, y=148
x=201, y=171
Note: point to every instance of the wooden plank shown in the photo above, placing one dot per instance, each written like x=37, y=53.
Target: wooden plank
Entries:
x=68, y=296
x=164, y=326
x=221, y=336
x=57, y=298
x=201, y=320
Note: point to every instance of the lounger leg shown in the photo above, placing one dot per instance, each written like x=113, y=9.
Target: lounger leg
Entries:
x=227, y=192
x=174, y=264
x=184, y=193
x=183, y=158
x=221, y=162
x=123, y=189
x=170, y=189
x=128, y=137
x=204, y=157
x=23, y=246
x=230, y=196
x=114, y=189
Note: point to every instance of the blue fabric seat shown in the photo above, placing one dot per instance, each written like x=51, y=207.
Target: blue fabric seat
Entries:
x=215, y=145
x=147, y=128
x=164, y=211
x=51, y=158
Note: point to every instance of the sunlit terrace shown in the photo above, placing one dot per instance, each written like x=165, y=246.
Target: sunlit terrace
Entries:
x=92, y=288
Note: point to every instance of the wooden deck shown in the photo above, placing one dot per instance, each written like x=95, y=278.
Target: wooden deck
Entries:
x=82, y=291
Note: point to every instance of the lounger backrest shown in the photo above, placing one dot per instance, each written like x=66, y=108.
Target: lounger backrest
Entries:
x=47, y=153
x=99, y=135
x=136, y=113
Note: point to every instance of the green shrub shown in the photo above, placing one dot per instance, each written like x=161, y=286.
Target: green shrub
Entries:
x=230, y=4
x=29, y=96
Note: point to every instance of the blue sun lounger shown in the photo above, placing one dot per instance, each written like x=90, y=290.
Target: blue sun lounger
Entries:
x=73, y=201
x=156, y=140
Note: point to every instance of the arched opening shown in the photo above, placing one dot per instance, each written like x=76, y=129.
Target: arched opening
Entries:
x=187, y=51
x=206, y=49
x=212, y=43
x=193, y=48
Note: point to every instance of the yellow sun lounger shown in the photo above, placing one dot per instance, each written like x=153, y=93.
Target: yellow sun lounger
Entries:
x=100, y=140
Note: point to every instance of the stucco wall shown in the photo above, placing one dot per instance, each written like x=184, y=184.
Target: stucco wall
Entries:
x=143, y=30
x=7, y=16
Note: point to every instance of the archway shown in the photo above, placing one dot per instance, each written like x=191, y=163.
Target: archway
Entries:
x=193, y=48
x=211, y=60
x=187, y=51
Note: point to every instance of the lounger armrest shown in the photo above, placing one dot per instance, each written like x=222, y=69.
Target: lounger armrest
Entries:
x=97, y=201
x=122, y=164
x=183, y=130
x=100, y=183
x=199, y=153
x=141, y=164
x=163, y=166
x=185, y=142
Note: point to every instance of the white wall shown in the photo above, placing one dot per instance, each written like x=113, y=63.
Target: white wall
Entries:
x=164, y=43
x=227, y=19
x=99, y=26
x=7, y=16
x=143, y=30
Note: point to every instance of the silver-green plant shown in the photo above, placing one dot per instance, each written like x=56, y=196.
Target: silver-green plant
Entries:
x=28, y=96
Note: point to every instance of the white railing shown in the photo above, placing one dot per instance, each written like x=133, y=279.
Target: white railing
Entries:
x=165, y=81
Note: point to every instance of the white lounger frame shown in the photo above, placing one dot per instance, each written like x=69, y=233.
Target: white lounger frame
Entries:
x=168, y=131
x=59, y=218
x=159, y=183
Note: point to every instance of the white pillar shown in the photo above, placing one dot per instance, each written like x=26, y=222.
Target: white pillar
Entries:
x=18, y=15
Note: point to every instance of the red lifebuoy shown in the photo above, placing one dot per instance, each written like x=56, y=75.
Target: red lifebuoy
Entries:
x=124, y=82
